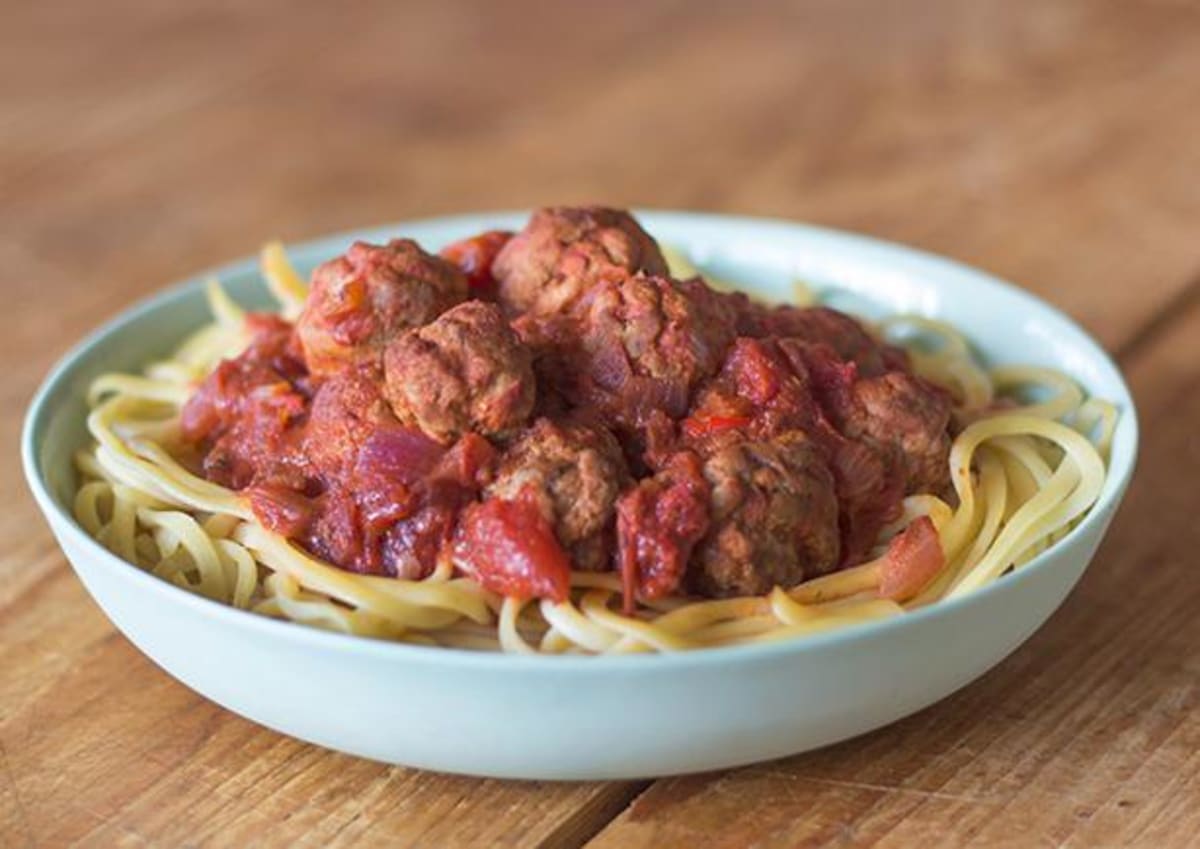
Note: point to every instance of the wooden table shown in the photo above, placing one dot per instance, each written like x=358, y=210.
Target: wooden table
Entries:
x=1054, y=143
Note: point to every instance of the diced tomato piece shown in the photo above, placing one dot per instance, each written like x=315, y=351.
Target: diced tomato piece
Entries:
x=658, y=524
x=280, y=509
x=510, y=548
x=695, y=427
x=757, y=373
x=468, y=463
x=474, y=256
x=912, y=560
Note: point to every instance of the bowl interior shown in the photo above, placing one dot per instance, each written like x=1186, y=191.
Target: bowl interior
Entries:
x=861, y=275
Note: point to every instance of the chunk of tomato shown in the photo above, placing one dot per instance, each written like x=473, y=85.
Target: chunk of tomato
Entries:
x=913, y=559
x=510, y=548
x=474, y=257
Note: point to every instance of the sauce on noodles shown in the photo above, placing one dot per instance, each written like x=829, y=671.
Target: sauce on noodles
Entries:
x=567, y=440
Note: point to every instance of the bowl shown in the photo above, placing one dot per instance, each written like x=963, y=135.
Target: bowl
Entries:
x=607, y=717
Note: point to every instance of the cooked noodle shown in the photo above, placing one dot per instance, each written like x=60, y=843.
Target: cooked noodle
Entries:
x=1023, y=474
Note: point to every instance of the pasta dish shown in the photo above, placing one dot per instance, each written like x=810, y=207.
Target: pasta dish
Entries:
x=568, y=440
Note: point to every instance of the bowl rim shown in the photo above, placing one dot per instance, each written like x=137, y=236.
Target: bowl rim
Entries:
x=39, y=412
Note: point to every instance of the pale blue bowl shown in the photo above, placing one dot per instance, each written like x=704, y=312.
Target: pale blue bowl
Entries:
x=594, y=717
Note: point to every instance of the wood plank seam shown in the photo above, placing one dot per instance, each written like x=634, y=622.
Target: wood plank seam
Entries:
x=585, y=822
x=1160, y=322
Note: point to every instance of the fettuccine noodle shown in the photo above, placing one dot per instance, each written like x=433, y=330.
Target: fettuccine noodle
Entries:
x=1023, y=473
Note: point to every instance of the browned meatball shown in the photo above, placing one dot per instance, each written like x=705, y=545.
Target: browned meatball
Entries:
x=345, y=411
x=464, y=371
x=909, y=414
x=563, y=251
x=575, y=472
x=647, y=342
x=841, y=332
x=774, y=518
x=757, y=392
x=551, y=340
x=359, y=301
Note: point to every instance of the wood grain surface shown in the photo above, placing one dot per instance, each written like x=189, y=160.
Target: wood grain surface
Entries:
x=1054, y=143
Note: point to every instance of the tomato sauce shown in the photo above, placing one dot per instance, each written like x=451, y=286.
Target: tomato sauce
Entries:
x=626, y=464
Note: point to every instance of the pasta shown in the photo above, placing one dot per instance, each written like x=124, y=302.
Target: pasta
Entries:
x=1027, y=463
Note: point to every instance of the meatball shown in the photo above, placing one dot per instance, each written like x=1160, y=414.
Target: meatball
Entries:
x=757, y=391
x=563, y=251
x=346, y=410
x=774, y=518
x=749, y=314
x=551, y=339
x=646, y=342
x=465, y=371
x=361, y=300
x=573, y=472
x=822, y=325
x=869, y=474
x=910, y=415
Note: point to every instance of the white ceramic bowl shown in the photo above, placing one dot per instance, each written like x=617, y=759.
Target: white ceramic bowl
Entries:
x=594, y=717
